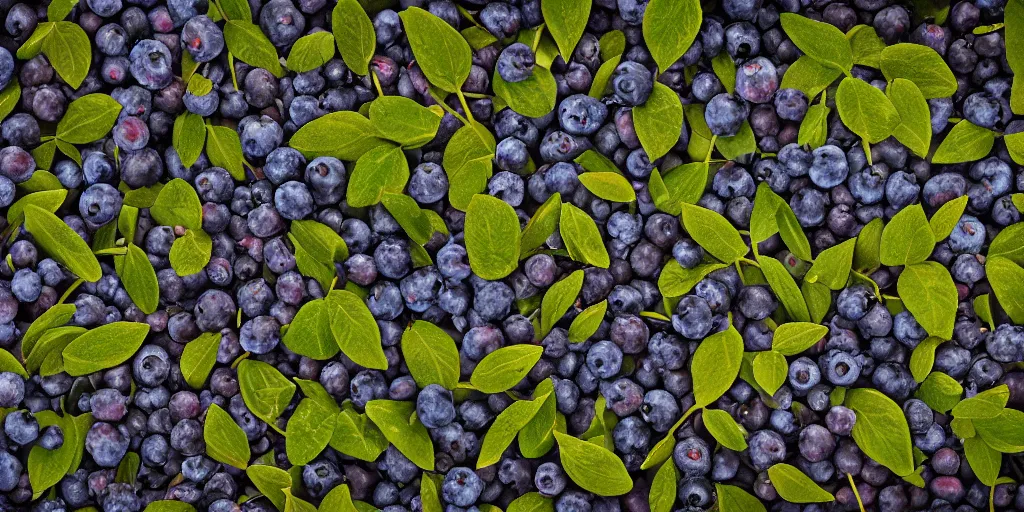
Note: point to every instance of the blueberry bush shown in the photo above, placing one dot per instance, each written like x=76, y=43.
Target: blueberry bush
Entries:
x=519, y=255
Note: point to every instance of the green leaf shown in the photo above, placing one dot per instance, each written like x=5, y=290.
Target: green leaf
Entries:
x=431, y=355
x=966, y=142
x=700, y=144
x=587, y=322
x=355, y=330
x=404, y=121
x=88, y=119
x=593, y=467
x=818, y=298
x=865, y=110
x=984, y=460
x=723, y=351
x=603, y=75
x=796, y=487
x=313, y=50
x=566, y=21
x=983, y=308
x=46, y=468
x=62, y=243
x=793, y=338
x=356, y=436
x=763, y=223
x=224, y=149
x=725, y=70
x=104, y=347
x=199, y=85
x=410, y=217
x=504, y=368
x=492, y=237
x=659, y=121
x=178, y=205
x=792, y=232
x=537, y=438
x=1003, y=432
x=558, y=299
x=785, y=288
x=59, y=9
x=734, y=499
x=809, y=76
x=478, y=37
x=191, y=252
x=582, y=239
x=676, y=281
x=1009, y=243
x=319, y=240
x=264, y=390
x=832, y=266
x=504, y=429
x=199, y=357
x=915, y=127
x=533, y=97
x=923, y=358
x=881, y=430
x=1014, y=145
x=867, y=253
x=663, y=488
x=56, y=316
x=354, y=34
x=395, y=421
x=541, y=225
x=442, y=53
x=43, y=155
x=1005, y=277
x=344, y=135
x=188, y=137
x=724, y=429
x=922, y=66
x=940, y=391
x=770, y=370
x=684, y=185
x=946, y=218
x=34, y=44
x=169, y=506
x=338, y=500
x=714, y=233
x=247, y=43
x=908, y=238
x=225, y=440
x=271, y=482
x=430, y=501
x=139, y=279
x=814, y=127
x=467, y=160
x=309, y=333
x=49, y=200
x=310, y=430
x=987, y=404
x=818, y=40
x=531, y=502
x=610, y=186
x=669, y=28
x=866, y=46
x=67, y=48
x=9, y=363
x=9, y=98
x=49, y=348
x=929, y=293
x=743, y=143
x=1013, y=16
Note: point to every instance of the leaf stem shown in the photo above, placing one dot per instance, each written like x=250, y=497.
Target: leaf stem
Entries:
x=711, y=148
x=113, y=251
x=465, y=106
x=376, y=83
x=855, y=493
x=867, y=150
x=70, y=289
x=231, y=66
x=878, y=292
x=446, y=108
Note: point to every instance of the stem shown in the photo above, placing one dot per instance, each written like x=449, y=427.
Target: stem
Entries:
x=231, y=66
x=711, y=148
x=113, y=251
x=70, y=289
x=855, y=493
x=376, y=83
x=477, y=96
x=446, y=108
x=750, y=262
x=465, y=106
x=878, y=292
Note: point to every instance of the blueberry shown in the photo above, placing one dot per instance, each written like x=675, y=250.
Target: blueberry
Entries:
x=151, y=64
x=282, y=22
x=725, y=114
x=515, y=63
x=829, y=168
x=757, y=80
x=692, y=456
x=580, y=114
x=434, y=406
x=428, y=183
x=632, y=83
x=968, y=236
x=293, y=200
x=100, y=203
x=461, y=487
x=202, y=38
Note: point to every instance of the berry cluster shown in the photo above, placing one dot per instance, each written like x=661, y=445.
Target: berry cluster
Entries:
x=475, y=255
